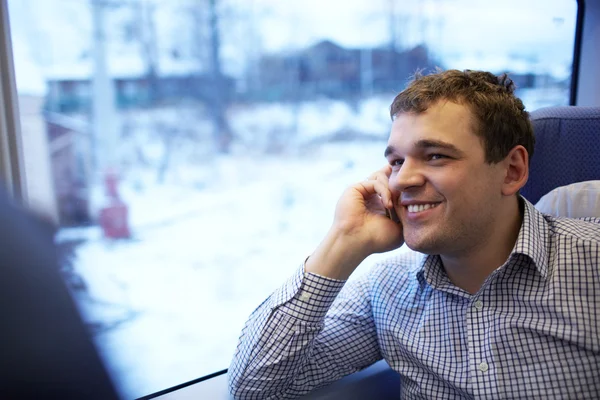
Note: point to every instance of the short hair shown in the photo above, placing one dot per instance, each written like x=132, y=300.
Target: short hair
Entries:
x=500, y=117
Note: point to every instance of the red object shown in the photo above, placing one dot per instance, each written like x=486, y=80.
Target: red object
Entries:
x=114, y=216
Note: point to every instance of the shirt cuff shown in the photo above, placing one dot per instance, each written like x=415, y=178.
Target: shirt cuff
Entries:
x=307, y=296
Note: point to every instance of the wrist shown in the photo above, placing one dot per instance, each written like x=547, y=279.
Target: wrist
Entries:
x=337, y=256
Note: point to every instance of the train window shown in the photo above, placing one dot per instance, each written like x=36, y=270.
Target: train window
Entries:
x=193, y=150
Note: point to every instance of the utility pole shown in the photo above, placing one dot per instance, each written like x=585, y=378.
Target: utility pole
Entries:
x=222, y=131
x=146, y=10
x=105, y=131
x=392, y=25
x=113, y=213
x=366, y=71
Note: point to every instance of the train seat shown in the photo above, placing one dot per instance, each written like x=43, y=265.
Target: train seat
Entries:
x=566, y=158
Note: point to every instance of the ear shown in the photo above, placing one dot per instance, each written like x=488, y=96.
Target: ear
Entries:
x=516, y=170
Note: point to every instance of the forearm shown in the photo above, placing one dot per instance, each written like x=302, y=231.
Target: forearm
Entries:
x=288, y=349
x=277, y=360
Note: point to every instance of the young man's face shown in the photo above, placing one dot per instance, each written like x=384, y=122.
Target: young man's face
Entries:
x=446, y=193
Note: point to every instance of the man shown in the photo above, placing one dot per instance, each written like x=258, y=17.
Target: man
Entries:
x=497, y=301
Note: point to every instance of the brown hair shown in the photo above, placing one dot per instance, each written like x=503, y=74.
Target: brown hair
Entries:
x=500, y=117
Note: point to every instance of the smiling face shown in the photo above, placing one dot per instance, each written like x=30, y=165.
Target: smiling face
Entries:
x=447, y=194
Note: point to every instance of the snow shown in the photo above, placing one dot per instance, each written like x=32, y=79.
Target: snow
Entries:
x=315, y=120
x=545, y=97
x=118, y=68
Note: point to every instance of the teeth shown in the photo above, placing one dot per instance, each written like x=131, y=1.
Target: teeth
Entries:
x=420, y=207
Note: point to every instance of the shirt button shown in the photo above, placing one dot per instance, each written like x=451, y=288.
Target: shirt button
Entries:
x=479, y=304
x=304, y=296
x=483, y=367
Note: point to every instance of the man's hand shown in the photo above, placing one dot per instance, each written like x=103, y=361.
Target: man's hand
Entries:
x=360, y=228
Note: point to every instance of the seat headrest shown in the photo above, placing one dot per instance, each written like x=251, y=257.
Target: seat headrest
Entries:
x=566, y=149
x=577, y=200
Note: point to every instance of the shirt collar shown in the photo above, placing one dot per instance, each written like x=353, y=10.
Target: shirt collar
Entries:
x=532, y=242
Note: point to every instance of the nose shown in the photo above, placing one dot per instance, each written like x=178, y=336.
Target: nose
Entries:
x=408, y=176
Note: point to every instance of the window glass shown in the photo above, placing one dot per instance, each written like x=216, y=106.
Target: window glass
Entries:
x=193, y=151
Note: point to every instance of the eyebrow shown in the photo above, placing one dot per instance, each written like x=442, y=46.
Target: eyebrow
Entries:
x=426, y=144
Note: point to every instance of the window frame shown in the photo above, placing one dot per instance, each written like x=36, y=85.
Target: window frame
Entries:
x=575, y=66
x=12, y=170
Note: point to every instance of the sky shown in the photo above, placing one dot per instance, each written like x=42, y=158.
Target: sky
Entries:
x=458, y=24
x=53, y=36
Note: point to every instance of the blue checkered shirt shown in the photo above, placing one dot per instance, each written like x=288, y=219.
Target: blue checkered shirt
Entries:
x=531, y=331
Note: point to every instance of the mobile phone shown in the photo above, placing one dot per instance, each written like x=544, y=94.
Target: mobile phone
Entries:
x=391, y=214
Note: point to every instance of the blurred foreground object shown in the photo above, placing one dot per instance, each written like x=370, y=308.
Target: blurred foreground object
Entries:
x=45, y=350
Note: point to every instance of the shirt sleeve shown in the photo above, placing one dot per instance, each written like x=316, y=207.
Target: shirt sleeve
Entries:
x=310, y=332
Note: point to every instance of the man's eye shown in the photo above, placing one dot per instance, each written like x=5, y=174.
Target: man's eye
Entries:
x=396, y=163
x=437, y=156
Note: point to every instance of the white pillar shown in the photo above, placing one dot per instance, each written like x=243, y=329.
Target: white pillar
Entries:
x=105, y=121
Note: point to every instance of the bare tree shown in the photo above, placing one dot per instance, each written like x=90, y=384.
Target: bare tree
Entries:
x=222, y=131
x=144, y=12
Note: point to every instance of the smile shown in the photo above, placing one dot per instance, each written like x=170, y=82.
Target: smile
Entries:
x=415, y=208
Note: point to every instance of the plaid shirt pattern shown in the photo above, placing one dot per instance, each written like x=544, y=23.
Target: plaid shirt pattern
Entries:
x=531, y=331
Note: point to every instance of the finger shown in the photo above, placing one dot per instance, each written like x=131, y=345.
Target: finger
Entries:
x=372, y=187
x=385, y=170
x=383, y=179
x=382, y=174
